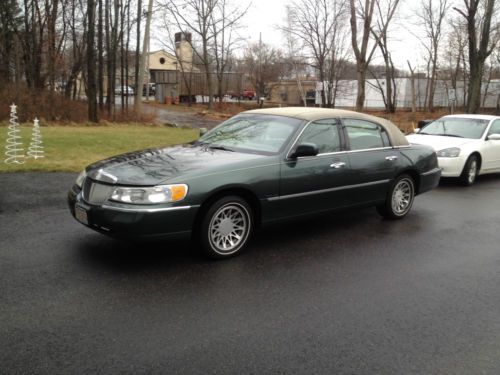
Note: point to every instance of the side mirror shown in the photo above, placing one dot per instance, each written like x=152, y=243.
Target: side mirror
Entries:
x=422, y=123
x=494, y=137
x=417, y=130
x=203, y=131
x=305, y=149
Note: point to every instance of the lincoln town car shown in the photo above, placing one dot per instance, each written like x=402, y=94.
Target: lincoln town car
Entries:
x=257, y=168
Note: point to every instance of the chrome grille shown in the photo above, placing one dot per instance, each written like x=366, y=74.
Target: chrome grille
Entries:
x=95, y=193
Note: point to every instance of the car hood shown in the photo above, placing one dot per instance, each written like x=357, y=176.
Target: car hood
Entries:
x=157, y=165
x=438, y=142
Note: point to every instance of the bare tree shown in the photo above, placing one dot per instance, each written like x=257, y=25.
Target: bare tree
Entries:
x=91, y=78
x=386, y=13
x=212, y=23
x=197, y=17
x=76, y=20
x=100, y=54
x=295, y=55
x=413, y=90
x=34, y=35
x=142, y=64
x=337, y=63
x=264, y=67
x=317, y=25
x=224, y=23
x=51, y=11
x=10, y=22
x=360, y=44
x=431, y=16
x=375, y=25
x=138, y=45
x=483, y=38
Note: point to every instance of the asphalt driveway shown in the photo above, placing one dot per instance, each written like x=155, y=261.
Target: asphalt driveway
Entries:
x=344, y=294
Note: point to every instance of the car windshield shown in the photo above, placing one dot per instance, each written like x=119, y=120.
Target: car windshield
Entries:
x=251, y=133
x=456, y=127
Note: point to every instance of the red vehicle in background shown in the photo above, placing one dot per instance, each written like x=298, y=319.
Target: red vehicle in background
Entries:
x=246, y=94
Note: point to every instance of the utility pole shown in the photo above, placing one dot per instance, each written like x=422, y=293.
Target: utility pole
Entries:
x=142, y=65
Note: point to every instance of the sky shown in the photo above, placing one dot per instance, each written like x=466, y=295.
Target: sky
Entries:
x=264, y=15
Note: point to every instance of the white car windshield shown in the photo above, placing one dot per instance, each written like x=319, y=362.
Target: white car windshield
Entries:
x=456, y=127
x=251, y=133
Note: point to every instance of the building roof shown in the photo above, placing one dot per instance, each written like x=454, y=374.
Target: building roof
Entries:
x=313, y=114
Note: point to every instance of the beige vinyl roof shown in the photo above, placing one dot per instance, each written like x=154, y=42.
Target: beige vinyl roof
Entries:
x=312, y=114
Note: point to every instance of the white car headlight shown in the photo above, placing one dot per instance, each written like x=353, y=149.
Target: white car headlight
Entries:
x=80, y=178
x=150, y=195
x=452, y=152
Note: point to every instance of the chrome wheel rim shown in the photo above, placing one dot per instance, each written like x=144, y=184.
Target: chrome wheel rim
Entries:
x=229, y=228
x=472, y=171
x=402, y=197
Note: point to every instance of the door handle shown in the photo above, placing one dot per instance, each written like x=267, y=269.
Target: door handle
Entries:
x=337, y=165
x=391, y=158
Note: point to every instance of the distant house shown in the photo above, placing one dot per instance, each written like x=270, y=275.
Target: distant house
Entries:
x=180, y=77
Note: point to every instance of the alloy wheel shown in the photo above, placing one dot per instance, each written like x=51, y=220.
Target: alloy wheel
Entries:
x=402, y=197
x=471, y=176
x=229, y=228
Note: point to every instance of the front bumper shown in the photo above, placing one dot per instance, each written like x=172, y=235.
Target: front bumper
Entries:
x=452, y=167
x=130, y=221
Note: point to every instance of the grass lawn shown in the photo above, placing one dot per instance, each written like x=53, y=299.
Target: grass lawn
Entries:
x=71, y=148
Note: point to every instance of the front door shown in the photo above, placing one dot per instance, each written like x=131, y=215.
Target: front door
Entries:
x=491, y=149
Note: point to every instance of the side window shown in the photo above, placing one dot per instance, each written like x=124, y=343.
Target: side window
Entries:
x=495, y=128
x=324, y=134
x=365, y=135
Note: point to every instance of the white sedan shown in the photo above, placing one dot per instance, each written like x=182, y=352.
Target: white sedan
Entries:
x=466, y=145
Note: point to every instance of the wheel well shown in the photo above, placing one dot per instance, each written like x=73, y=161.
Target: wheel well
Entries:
x=479, y=159
x=415, y=176
x=243, y=193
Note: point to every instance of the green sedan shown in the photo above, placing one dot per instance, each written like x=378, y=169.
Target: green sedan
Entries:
x=259, y=167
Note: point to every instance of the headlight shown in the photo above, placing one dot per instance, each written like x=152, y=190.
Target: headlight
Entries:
x=80, y=178
x=449, y=152
x=150, y=195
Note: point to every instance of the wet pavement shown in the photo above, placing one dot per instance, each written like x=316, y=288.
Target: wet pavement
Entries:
x=342, y=294
x=183, y=119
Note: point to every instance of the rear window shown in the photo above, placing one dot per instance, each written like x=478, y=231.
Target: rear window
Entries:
x=364, y=135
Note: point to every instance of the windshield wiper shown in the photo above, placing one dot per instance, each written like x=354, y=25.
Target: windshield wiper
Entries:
x=450, y=135
x=219, y=147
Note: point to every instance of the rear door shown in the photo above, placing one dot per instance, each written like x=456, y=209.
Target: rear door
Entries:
x=372, y=159
x=314, y=184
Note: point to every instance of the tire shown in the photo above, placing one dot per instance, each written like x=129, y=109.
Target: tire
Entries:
x=471, y=169
x=399, y=198
x=226, y=227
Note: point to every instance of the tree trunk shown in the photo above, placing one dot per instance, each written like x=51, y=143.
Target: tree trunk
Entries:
x=91, y=79
x=138, y=45
x=361, y=77
x=413, y=91
x=474, y=90
x=100, y=69
x=142, y=65
x=478, y=51
x=109, y=63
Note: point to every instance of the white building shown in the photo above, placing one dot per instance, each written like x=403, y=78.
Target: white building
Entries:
x=444, y=95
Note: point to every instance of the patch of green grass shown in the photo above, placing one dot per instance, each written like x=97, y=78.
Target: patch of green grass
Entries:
x=71, y=148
